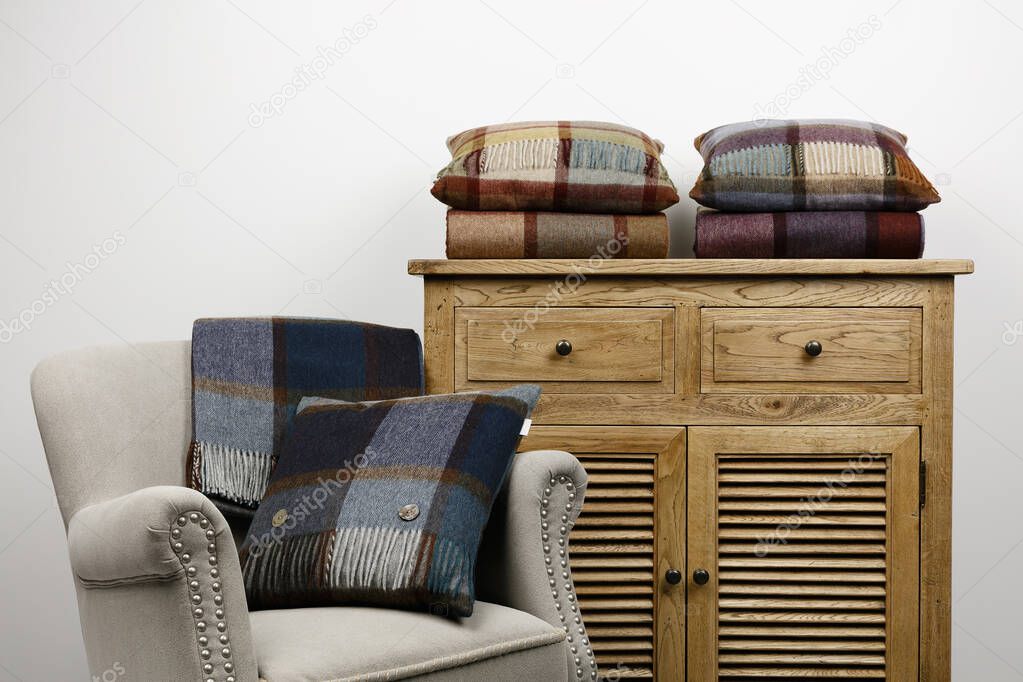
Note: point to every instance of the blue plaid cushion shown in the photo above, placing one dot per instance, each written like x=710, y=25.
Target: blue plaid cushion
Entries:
x=383, y=503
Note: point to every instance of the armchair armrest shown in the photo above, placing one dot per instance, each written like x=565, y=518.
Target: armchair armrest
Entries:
x=160, y=588
x=524, y=560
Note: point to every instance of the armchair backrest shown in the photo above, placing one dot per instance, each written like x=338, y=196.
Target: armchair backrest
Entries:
x=114, y=419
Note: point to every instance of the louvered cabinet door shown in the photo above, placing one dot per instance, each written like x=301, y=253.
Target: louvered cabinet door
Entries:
x=809, y=538
x=630, y=533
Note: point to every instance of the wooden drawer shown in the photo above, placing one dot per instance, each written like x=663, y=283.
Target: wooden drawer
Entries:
x=612, y=349
x=764, y=350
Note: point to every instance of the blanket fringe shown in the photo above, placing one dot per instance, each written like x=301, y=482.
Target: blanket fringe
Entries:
x=232, y=473
x=519, y=155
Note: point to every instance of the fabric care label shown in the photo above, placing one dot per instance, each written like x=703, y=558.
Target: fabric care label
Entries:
x=525, y=427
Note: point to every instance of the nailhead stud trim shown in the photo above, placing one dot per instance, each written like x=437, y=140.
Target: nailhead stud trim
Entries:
x=550, y=551
x=194, y=532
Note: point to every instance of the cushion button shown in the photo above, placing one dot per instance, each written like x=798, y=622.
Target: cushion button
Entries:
x=409, y=512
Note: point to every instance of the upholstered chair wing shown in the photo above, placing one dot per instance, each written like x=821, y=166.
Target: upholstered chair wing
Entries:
x=157, y=573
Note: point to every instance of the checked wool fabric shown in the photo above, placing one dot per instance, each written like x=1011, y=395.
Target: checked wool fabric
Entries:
x=383, y=503
x=574, y=166
x=249, y=374
x=809, y=165
x=525, y=234
x=809, y=234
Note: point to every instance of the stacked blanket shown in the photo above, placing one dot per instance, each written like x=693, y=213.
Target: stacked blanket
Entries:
x=555, y=189
x=810, y=234
x=809, y=189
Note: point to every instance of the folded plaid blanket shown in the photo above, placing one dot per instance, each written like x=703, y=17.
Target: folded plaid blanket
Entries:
x=812, y=234
x=518, y=234
x=249, y=374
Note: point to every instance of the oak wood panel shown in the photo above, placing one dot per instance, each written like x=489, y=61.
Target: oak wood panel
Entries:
x=769, y=582
x=613, y=349
x=636, y=479
x=438, y=336
x=762, y=350
x=692, y=266
x=936, y=442
x=723, y=408
x=544, y=293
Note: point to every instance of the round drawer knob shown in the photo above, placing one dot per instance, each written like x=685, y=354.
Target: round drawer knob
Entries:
x=701, y=576
x=563, y=347
x=673, y=576
x=813, y=348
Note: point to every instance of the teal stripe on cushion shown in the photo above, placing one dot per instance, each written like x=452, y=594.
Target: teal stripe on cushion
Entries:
x=767, y=160
x=599, y=155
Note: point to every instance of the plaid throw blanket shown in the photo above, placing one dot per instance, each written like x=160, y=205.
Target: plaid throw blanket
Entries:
x=809, y=234
x=578, y=166
x=517, y=234
x=809, y=165
x=249, y=374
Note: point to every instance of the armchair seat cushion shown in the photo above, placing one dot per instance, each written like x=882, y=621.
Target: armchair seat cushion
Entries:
x=331, y=644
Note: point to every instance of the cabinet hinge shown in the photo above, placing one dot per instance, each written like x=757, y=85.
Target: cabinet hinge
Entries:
x=923, y=483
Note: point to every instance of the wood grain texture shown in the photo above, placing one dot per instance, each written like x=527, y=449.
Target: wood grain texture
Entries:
x=762, y=350
x=936, y=440
x=624, y=427
x=858, y=590
x=711, y=409
x=613, y=349
x=631, y=530
x=692, y=266
x=438, y=336
x=617, y=291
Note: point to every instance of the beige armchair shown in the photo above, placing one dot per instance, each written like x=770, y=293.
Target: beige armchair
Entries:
x=157, y=574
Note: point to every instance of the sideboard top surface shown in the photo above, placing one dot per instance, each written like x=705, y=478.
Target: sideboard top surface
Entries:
x=692, y=266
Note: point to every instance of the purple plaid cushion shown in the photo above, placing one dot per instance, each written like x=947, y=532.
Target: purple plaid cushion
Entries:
x=814, y=165
x=383, y=503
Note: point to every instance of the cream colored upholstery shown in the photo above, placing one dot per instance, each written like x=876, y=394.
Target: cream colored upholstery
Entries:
x=157, y=573
x=316, y=644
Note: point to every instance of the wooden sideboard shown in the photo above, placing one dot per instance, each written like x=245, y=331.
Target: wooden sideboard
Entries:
x=769, y=446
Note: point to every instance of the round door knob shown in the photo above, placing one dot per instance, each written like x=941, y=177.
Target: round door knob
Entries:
x=701, y=576
x=673, y=576
x=563, y=347
x=813, y=348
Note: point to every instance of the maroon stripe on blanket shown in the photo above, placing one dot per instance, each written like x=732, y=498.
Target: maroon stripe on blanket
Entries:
x=900, y=235
x=472, y=179
x=781, y=233
x=280, y=385
x=889, y=188
x=529, y=239
x=798, y=169
x=621, y=228
x=561, y=168
x=873, y=238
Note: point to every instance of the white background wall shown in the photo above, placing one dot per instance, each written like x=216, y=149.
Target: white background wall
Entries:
x=131, y=121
